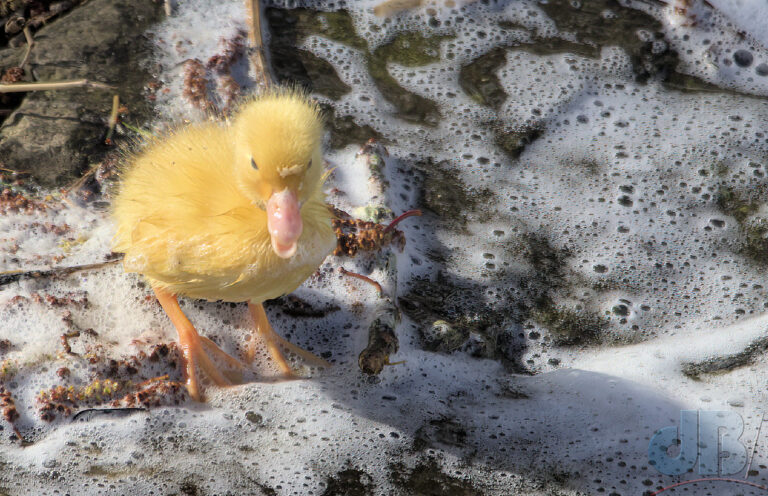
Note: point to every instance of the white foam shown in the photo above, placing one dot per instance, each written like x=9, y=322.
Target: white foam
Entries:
x=623, y=179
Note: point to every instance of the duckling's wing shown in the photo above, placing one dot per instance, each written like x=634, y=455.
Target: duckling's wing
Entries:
x=179, y=214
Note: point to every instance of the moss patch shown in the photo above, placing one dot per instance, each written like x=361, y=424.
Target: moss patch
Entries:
x=445, y=194
x=479, y=81
x=725, y=364
x=427, y=479
x=410, y=49
x=346, y=131
x=735, y=205
x=513, y=142
x=755, y=231
x=289, y=27
x=595, y=30
x=292, y=64
x=569, y=326
x=349, y=482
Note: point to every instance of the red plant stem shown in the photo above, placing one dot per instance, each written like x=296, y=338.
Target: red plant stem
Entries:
x=402, y=216
x=362, y=278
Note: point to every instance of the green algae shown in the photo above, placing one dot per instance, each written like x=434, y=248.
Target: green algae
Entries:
x=446, y=195
x=349, y=482
x=513, y=142
x=345, y=130
x=295, y=25
x=724, y=364
x=595, y=30
x=754, y=229
x=427, y=479
x=569, y=326
x=479, y=81
x=733, y=204
x=295, y=65
x=290, y=27
x=409, y=49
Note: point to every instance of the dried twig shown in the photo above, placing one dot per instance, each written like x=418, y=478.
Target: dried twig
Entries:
x=13, y=171
x=113, y=119
x=256, y=52
x=61, y=85
x=12, y=276
x=78, y=183
x=30, y=44
x=89, y=413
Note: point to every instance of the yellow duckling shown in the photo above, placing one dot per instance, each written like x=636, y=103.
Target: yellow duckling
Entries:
x=231, y=212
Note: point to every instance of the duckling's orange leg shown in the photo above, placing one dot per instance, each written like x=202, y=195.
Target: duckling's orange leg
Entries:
x=195, y=348
x=273, y=340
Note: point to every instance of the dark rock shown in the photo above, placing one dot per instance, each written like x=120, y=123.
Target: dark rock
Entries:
x=57, y=134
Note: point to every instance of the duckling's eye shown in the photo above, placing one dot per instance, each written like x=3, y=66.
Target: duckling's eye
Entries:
x=309, y=164
x=253, y=164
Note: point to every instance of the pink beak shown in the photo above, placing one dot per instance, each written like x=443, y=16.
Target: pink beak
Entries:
x=284, y=222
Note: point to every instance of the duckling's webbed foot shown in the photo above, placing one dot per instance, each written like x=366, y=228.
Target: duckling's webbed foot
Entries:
x=197, y=350
x=273, y=341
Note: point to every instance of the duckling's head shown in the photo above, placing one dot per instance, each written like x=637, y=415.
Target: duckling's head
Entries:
x=278, y=160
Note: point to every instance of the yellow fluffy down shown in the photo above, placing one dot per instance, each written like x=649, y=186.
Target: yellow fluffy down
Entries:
x=183, y=222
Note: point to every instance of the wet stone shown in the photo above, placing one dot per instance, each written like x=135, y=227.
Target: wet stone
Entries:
x=60, y=133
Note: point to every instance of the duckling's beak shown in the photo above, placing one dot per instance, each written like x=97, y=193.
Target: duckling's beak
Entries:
x=284, y=222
